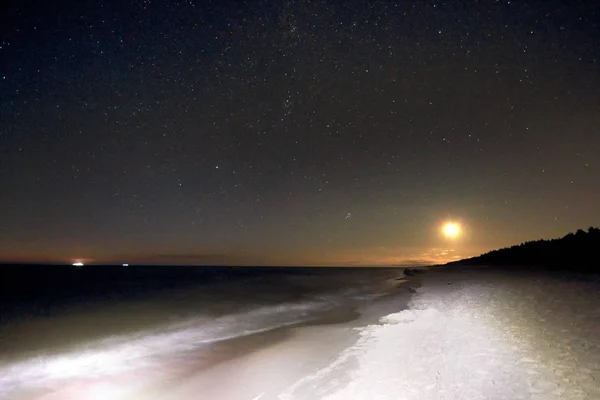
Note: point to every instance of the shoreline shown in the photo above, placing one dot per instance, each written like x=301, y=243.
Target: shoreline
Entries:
x=282, y=355
x=285, y=356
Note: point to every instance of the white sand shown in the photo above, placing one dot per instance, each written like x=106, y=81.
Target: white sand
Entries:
x=488, y=335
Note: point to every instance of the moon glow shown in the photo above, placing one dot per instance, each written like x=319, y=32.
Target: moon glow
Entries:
x=451, y=230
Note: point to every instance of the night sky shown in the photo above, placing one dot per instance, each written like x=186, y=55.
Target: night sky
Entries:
x=295, y=132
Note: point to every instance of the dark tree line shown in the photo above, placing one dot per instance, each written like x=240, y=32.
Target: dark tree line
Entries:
x=578, y=251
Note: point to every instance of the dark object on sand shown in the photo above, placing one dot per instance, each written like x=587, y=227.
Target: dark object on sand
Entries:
x=412, y=272
x=449, y=282
x=412, y=289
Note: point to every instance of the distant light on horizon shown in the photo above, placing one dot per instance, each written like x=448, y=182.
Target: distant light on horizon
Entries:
x=78, y=264
x=126, y=265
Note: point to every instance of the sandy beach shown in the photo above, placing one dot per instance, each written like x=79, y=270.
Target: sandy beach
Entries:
x=475, y=333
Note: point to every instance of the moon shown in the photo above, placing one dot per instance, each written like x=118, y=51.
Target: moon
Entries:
x=451, y=230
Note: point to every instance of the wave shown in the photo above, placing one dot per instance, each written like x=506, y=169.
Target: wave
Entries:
x=121, y=354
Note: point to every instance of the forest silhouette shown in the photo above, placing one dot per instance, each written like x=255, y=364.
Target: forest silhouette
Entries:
x=574, y=251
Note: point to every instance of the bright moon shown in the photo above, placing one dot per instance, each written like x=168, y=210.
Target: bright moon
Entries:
x=451, y=230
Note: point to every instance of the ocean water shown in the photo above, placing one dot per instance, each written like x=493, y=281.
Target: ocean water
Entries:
x=61, y=324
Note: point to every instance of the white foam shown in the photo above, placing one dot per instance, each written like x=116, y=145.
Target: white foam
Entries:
x=122, y=354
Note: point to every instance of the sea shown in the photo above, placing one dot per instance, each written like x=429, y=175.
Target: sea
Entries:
x=63, y=323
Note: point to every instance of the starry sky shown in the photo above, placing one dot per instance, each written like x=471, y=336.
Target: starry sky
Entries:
x=295, y=132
